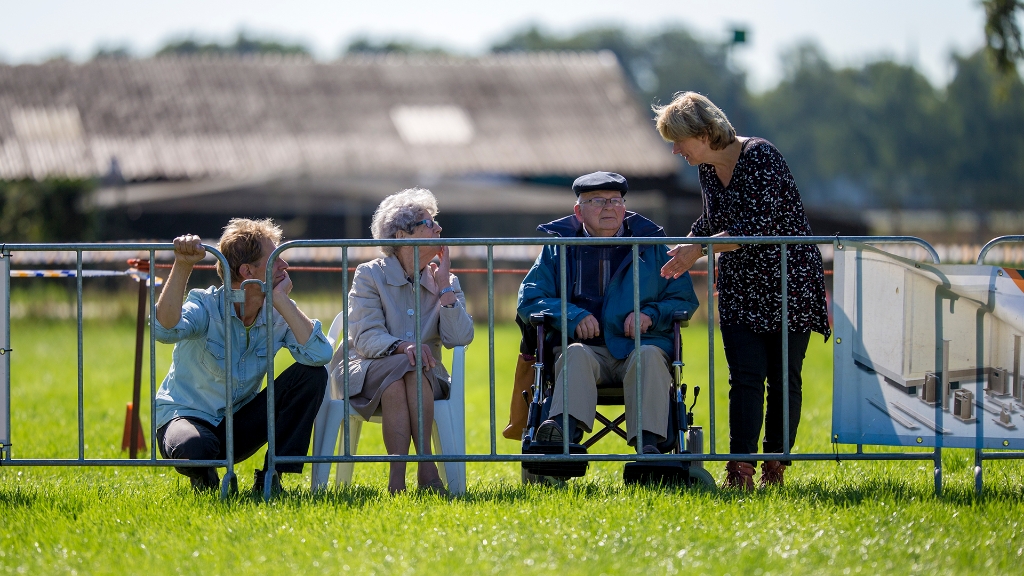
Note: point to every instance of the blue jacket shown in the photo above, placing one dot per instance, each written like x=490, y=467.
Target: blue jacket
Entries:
x=659, y=297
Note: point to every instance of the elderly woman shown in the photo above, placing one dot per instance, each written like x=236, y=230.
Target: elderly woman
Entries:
x=749, y=191
x=382, y=341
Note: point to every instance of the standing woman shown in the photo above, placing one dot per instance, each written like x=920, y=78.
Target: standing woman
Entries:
x=382, y=337
x=749, y=191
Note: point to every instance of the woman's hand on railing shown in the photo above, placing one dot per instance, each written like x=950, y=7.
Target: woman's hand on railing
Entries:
x=684, y=256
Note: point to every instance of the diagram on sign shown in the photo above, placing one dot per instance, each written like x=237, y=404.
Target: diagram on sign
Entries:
x=927, y=354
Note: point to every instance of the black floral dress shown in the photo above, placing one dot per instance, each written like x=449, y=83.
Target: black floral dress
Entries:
x=762, y=200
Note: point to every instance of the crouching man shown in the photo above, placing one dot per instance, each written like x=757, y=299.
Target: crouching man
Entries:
x=600, y=317
x=190, y=405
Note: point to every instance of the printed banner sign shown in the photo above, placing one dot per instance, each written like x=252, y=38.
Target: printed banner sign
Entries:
x=926, y=354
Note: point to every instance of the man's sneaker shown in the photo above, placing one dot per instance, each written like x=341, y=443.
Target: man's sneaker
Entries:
x=739, y=475
x=260, y=481
x=651, y=449
x=550, y=431
x=206, y=481
x=771, y=473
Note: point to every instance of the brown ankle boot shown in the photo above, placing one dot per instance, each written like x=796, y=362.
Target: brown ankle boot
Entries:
x=771, y=473
x=739, y=475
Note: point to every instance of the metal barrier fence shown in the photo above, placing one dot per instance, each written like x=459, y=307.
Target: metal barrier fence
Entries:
x=979, y=455
x=493, y=456
x=229, y=296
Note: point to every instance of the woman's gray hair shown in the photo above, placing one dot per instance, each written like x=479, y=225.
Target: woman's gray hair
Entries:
x=399, y=212
x=691, y=115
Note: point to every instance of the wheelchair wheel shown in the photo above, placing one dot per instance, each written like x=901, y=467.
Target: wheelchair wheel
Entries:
x=702, y=478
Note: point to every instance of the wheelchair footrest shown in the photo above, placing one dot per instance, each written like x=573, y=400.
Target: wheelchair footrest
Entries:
x=666, y=472
x=559, y=469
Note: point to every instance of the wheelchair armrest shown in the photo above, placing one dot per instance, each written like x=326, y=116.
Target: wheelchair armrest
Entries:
x=539, y=319
x=681, y=317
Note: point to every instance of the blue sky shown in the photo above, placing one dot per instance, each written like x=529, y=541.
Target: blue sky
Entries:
x=917, y=31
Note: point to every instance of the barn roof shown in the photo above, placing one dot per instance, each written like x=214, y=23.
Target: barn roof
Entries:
x=194, y=118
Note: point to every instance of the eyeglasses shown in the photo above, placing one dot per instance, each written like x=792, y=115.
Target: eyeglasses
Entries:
x=602, y=202
x=429, y=223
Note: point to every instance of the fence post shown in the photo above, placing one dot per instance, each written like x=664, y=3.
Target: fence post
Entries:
x=5, y=355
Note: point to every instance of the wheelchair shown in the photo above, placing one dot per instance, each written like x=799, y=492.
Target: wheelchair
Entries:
x=683, y=436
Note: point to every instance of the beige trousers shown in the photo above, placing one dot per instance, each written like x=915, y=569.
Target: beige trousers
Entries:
x=591, y=366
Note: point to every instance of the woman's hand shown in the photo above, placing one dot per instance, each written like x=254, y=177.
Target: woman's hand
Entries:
x=442, y=272
x=443, y=276
x=683, y=258
x=409, y=349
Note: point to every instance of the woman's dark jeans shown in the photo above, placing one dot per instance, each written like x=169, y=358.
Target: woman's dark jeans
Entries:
x=752, y=358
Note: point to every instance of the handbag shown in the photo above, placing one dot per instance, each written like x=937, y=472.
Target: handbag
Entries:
x=519, y=408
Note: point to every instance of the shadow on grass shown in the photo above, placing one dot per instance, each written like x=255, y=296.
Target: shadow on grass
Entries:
x=815, y=491
x=16, y=498
x=503, y=493
x=896, y=490
x=828, y=490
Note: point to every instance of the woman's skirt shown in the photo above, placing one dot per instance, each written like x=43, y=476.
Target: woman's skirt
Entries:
x=381, y=374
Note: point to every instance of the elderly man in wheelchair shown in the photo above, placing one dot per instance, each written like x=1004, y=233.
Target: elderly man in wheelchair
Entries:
x=601, y=359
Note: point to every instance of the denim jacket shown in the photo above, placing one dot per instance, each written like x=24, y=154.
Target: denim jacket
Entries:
x=195, y=383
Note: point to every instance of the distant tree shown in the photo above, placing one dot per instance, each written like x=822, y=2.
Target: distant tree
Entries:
x=243, y=44
x=657, y=65
x=1002, y=33
x=112, y=53
x=47, y=211
x=882, y=135
x=363, y=45
x=855, y=136
x=982, y=167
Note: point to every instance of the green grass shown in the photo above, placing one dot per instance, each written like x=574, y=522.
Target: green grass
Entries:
x=830, y=518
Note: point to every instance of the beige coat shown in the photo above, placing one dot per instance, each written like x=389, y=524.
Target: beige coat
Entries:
x=381, y=311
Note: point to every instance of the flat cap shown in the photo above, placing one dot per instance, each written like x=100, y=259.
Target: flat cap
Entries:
x=600, y=181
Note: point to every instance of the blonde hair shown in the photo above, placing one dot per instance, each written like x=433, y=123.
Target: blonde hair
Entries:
x=242, y=243
x=399, y=212
x=691, y=115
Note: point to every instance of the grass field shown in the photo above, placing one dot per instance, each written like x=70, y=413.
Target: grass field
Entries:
x=829, y=518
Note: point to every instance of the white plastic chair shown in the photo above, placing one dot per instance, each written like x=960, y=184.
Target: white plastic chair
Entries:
x=449, y=429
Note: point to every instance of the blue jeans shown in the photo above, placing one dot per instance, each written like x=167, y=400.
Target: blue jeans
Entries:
x=752, y=359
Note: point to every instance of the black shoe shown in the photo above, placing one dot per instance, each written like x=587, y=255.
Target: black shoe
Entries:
x=260, y=481
x=550, y=431
x=651, y=449
x=208, y=480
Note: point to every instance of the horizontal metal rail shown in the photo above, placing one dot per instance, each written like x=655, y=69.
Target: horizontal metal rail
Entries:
x=996, y=241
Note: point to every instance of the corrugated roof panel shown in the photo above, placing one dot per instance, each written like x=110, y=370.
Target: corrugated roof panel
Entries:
x=225, y=117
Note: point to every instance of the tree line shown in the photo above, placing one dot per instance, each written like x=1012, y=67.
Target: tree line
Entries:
x=876, y=135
